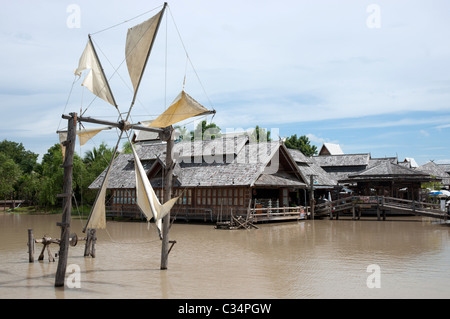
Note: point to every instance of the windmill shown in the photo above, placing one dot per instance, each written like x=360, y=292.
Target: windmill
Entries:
x=139, y=43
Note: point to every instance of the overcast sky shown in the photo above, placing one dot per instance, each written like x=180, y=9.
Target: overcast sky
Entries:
x=372, y=76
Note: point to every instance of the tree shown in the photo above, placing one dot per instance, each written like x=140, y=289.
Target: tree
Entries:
x=260, y=135
x=10, y=173
x=205, y=131
x=181, y=133
x=53, y=175
x=126, y=148
x=302, y=144
x=95, y=162
x=26, y=160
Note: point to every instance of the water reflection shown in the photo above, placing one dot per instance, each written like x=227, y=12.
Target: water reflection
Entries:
x=306, y=259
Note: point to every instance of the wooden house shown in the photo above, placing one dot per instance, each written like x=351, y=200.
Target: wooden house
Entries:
x=340, y=166
x=389, y=179
x=322, y=182
x=211, y=178
x=438, y=171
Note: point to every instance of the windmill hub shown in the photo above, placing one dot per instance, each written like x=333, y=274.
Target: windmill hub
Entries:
x=124, y=125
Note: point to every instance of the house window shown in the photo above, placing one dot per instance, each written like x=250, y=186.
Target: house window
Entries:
x=213, y=202
x=208, y=197
x=219, y=197
x=203, y=196
x=199, y=196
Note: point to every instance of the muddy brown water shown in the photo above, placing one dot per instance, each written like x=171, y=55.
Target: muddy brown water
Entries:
x=304, y=259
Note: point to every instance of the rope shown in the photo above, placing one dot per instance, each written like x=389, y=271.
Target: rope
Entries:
x=189, y=59
x=67, y=101
x=118, y=24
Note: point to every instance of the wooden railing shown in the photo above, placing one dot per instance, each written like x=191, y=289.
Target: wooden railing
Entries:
x=279, y=213
x=380, y=203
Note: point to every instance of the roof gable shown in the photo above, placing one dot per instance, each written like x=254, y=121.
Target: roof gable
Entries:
x=330, y=149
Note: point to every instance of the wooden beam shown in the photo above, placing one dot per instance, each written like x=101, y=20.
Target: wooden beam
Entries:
x=67, y=201
x=167, y=196
x=121, y=124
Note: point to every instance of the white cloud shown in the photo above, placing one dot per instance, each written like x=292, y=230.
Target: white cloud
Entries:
x=424, y=133
x=260, y=62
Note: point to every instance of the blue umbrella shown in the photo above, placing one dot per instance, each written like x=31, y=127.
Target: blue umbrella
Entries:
x=439, y=193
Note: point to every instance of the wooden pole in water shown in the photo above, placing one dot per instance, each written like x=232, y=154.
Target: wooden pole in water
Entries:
x=167, y=196
x=67, y=201
x=30, y=246
x=311, y=199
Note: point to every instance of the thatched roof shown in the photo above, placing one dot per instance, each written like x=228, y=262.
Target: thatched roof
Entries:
x=224, y=163
x=388, y=171
x=445, y=167
x=343, y=160
x=434, y=169
x=308, y=167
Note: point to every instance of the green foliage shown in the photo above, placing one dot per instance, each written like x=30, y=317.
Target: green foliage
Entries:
x=260, y=135
x=126, y=148
x=10, y=173
x=26, y=160
x=205, y=131
x=302, y=144
x=95, y=162
x=437, y=186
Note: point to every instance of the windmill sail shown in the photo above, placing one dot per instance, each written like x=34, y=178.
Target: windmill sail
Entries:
x=85, y=135
x=138, y=45
x=97, y=217
x=95, y=80
x=183, y=107
x=146, y=198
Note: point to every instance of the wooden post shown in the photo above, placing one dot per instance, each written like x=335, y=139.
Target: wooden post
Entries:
x=30, y=246
x=311, y=200
x=378, y=211
x=167, y=196
x=89, y=247
x=67, y=201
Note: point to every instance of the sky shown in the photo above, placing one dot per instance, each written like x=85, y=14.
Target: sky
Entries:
x=372, y=76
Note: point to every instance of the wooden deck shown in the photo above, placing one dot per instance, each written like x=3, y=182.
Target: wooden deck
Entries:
x=382, y=205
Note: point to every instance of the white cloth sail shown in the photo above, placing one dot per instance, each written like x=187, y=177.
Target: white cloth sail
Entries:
x=138, y=45
x=85, y=135
x=146, y=198
x=95, y=80
x=183, y=107
x=97, y=218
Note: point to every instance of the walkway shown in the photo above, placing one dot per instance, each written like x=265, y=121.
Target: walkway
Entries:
x=380, y=204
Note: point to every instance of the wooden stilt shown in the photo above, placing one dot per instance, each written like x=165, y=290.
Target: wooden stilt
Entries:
x=167, y=196
x=30, y=246
x=89, y=247
x=93, y=241
x=67, y=201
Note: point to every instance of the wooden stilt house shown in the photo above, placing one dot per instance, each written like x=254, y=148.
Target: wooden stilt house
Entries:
x=213, y=179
